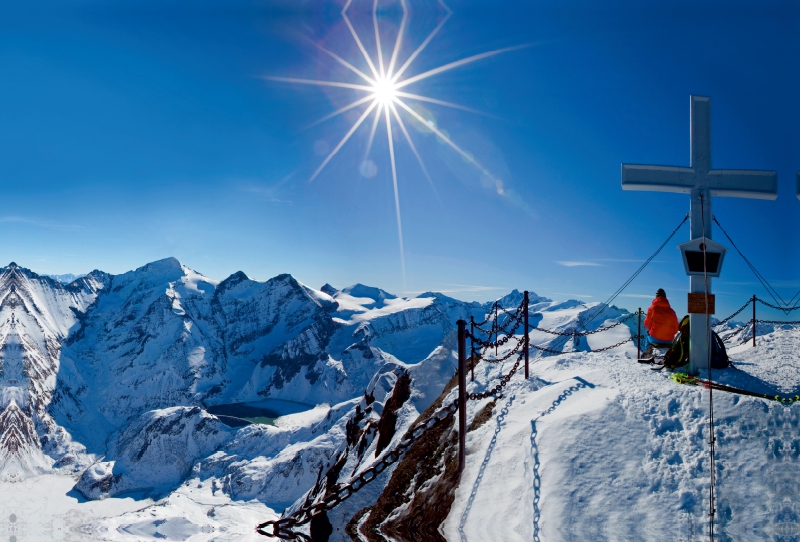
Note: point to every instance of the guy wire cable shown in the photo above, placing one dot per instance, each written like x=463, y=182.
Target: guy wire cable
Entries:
x=767, y=286
x=601, y=307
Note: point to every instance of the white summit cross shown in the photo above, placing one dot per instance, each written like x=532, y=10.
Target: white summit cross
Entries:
x=701, y=182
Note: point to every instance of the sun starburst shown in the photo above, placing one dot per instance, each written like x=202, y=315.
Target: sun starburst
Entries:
x=383, y=86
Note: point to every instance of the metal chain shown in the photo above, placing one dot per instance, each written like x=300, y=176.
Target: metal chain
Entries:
x=498, y=387
x=284, y=527
x=613, y=345
x=551, y=351
x=511, y=352
x=516, y=312
x=515, y=317
x=779, y=322
x=784, y=309
x=734, y=314
x=489, y=312
x=732, y=334
x=499, y=307
x=548, y=350
x=584, y=333
x=477, y=324
x=496, y=329
x=500, y=342
x=537, y=483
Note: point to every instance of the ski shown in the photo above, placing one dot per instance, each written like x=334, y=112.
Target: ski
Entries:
x=681, y=378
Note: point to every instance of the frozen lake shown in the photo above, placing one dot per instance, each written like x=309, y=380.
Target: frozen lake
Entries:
x=266, y=411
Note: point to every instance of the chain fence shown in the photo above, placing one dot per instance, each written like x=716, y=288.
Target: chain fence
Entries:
x=496, y=390
x=779, y=322
x=729, y=336
x=783, y=309
x=286, y=527
x=573, y=333
x=497, y=342
x=516, y=349
x=725, y=320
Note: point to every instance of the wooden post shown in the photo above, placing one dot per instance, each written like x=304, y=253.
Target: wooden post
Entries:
x=754, y=320
x=462, y=394
x=639, y=337
x=527, y=336
x=472, y=347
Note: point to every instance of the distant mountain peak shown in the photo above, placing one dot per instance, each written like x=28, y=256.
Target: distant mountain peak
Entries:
x=66, y=278
x=370, y=292
x=328, y=289
x=165, y=264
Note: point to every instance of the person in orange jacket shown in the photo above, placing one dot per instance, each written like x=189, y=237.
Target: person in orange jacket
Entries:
x=661, y=321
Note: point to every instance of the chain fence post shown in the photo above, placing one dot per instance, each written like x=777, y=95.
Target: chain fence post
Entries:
x=639, y=336
x=472, y=347
x=527, y=334
x=497, y=327
x=462, y=395
x=754, y=320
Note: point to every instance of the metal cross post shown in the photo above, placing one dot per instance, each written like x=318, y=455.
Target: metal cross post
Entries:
x=701, y=183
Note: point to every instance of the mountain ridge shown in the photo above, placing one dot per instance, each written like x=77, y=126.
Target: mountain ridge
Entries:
x=95, y=371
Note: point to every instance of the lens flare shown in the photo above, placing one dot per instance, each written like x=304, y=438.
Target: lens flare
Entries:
x=383, y=87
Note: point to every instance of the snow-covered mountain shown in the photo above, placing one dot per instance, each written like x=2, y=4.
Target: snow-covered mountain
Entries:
x=108, y=384
x=108, y=379
x=65, y=278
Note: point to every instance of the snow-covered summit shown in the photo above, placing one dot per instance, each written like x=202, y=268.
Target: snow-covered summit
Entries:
x=360, y=291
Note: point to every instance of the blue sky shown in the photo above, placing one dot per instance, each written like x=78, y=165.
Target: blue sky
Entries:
x=140, y=130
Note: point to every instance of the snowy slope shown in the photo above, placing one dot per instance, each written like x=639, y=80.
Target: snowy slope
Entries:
x=620, y=452
x=106, y=379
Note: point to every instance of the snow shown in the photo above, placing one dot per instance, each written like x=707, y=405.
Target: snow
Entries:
x=619, y=452
x=65, y=278
x=105, y=380
x=361, y=303
x=46, y=508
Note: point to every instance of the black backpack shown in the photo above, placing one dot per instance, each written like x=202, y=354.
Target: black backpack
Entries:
x=719, y=356
x=678, y=353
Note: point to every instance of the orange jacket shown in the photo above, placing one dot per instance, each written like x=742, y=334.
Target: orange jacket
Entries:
x=661, y=321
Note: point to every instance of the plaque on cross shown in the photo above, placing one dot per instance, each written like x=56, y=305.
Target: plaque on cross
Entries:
x=701, y=183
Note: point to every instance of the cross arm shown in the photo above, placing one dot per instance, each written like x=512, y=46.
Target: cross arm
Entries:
x=742, y=183
x=658, y=178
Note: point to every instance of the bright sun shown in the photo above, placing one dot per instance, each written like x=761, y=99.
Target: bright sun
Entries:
x=384, y=90
x=387, y=95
